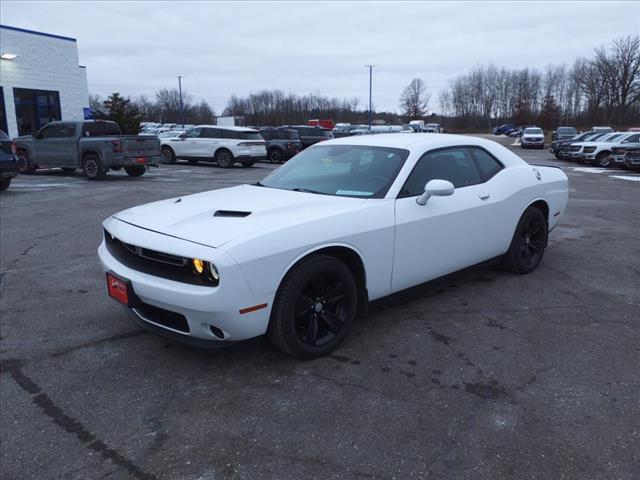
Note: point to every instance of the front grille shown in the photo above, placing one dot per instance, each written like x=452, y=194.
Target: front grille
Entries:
x=163, y=317
x=632, y=153
x=575, y=148
x=617, y=150
x=589, y=149
x=152, y=262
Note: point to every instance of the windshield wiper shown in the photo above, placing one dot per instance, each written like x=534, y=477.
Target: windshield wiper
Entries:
x=258, y=184
x=306, y=190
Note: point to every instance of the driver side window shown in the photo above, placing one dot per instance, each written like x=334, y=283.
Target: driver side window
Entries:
x=452, y=164
x=193, y=133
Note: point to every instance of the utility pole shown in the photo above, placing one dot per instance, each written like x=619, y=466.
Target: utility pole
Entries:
x=181, y=105
x=370, y=67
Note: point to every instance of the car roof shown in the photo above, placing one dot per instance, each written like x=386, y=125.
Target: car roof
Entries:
x=409, y=140
x=224, y=127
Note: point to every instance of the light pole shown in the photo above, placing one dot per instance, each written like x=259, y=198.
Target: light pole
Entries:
x=181, y=105
x=370, y=67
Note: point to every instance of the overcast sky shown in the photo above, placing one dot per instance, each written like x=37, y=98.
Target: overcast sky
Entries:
x=222, y=48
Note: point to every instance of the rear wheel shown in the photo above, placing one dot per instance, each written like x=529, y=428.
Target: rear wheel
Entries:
x=167, y=155
x=314, y=307
x=93, y=168
x=224, y=159
x=135, y=171
x=528, y=243
x=24, y=163
x=4, y=183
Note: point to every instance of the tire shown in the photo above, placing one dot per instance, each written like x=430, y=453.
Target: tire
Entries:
x=92, y=167
x=193, y=162
x=4, y=184
x=557, y=156
x=25, y=166
x=136, y=171
x=167, y=155
x=275, y=156
x=224, y=158
x=315, y=305
x=528, y=243
x=248, y=164
x=603, y=160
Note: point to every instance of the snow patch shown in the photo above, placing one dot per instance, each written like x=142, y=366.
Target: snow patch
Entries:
x=627, y=177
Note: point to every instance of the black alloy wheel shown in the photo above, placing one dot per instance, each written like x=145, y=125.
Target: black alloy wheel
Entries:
x=603, y=159
x=315, y=305
x=275, y=156
x=528, y=243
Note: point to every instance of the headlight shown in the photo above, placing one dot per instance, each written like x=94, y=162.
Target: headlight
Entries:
x=206, y=270
x=198, y=266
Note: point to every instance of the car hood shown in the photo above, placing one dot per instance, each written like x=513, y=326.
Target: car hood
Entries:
x=532, y=135
x=219, y=216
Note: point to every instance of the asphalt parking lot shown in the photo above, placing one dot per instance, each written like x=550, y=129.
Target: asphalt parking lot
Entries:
x=481, y=375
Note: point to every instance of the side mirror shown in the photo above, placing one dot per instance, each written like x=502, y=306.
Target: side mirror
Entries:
x=435, y=188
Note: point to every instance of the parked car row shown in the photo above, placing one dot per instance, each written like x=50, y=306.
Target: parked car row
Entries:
x=621, y=149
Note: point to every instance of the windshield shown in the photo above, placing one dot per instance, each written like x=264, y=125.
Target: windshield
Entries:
x=613, y=137
x=342, y=170
x=533, y=131
x=567, y=131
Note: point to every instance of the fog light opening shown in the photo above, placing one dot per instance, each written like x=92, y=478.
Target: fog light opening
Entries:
x=217, y=332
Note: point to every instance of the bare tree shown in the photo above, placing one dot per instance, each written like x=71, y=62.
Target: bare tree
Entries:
x=415, y=99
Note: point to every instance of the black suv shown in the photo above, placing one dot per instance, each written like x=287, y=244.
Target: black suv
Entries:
x=281, y=144
x=8, y=164
x=309, y=135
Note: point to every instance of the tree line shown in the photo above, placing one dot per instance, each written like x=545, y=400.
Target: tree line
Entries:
x=604, y=89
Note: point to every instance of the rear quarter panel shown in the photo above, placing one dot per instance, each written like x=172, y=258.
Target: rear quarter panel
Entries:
x=515, y=188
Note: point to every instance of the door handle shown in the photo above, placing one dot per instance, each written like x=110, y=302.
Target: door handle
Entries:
x=484, y=196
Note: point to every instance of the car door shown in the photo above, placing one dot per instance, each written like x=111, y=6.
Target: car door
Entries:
x=448, y=233
x=44, y=146
x=210, y=142
x=188, y=144
x=66, y=147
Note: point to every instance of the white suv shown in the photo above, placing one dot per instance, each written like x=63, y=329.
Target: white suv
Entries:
x=224, y=145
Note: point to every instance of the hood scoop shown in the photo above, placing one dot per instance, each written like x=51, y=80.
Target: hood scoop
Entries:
x=231, y=214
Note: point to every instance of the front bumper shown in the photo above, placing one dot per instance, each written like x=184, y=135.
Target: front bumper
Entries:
x=576, y=155
x=632, y=161
x=203, y=307
x=8, y=170
x=617, y=159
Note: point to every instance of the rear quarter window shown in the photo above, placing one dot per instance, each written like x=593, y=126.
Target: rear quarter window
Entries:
x=487, y=164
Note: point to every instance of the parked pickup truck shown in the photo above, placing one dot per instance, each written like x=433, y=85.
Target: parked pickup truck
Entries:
x=94, y=146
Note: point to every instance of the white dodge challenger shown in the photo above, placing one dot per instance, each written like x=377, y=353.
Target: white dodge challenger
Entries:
x=301, y=253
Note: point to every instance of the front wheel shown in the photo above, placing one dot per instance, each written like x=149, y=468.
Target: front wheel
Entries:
x=4, y=183
x=135, y=171
x=603, y=160
x=528, y=243
x=314, y=308
x=25, y=166
x=274, y=156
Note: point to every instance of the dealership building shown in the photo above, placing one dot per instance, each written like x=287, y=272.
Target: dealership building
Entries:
x=40, y=80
